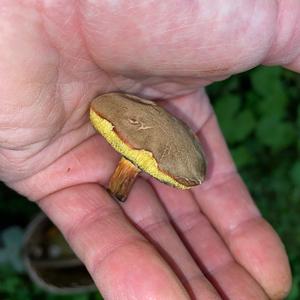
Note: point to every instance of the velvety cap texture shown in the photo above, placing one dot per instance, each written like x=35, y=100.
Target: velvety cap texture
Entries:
x=143, y=125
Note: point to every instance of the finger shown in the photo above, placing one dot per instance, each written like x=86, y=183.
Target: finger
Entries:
x=116, y=254
x=208, y=249
x=145, y=210
x=224, y=199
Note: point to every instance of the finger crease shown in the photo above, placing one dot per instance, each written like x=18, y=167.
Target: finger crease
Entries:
x=188, y=221
x=97, y=261
x=150, y=225
x=89, y=218
x=241, y=227
x=219, y=180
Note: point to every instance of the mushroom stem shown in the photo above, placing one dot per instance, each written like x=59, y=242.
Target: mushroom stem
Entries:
x=122, y=179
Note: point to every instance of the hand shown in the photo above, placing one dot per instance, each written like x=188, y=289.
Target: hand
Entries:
x=207, y=243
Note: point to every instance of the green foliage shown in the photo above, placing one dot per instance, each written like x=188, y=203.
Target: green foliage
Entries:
x=295, y=173
x=10, y=253
x=259, y=113
x=275, y=133
x=242, y=156
x=232, y=117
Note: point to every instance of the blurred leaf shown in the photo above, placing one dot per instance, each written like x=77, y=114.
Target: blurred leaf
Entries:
x=274, y=104
x=82, y=297
x=12, y=237
x=244, y=124
x=227, y=106
x=236, y=127
x=68, y=297
x=295, y=173
x=295, y=292
x=223, y=87
x=98, y=297
x=265, y=80
x=3, y=256
x=242, y=156
x=275, y=133
x=268, y=84
x=12, y=241
x=10, y=284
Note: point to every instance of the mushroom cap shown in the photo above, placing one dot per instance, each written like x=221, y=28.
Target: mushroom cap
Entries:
x=150, y=137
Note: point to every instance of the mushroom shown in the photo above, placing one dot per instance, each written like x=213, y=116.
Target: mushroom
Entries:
x=149, y=139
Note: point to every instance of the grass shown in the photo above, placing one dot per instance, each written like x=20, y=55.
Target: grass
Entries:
x=259, y=113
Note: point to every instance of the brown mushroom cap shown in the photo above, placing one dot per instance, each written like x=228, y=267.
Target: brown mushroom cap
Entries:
x=143, y=125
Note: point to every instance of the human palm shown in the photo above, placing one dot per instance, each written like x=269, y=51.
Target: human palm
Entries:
x=207, y=243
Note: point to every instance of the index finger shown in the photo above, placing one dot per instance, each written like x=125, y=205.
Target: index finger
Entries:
x=115, y=253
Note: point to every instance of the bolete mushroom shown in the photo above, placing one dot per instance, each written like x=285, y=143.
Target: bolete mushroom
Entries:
x=149, y=139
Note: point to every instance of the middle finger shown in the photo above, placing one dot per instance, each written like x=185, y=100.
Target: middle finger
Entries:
x=145, y=210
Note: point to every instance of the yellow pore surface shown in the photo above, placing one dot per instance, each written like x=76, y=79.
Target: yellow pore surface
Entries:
x=143, y=159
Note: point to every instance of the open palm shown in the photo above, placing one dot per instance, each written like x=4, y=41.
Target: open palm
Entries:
x=208, y=243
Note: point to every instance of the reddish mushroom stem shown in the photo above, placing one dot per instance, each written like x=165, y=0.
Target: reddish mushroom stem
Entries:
x=122, y=179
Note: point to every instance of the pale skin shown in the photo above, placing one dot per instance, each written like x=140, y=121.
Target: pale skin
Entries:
x=56, y=57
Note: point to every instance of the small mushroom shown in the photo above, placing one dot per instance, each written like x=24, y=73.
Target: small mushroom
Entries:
x=149, y=139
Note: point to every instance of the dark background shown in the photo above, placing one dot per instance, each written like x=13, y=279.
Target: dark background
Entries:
x=259, y=113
